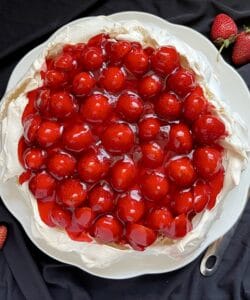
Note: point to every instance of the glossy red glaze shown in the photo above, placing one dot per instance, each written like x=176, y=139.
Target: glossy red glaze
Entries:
x=91, y=168
x=152, y=154
x=123, y=174
x=119, y=143
x=201, y=194
x=107, y=229
x=62, y=105
x=129, y=106
x=149, y=86
x=207, y=161
x=215, y=184
x=180, y=227
x=165, y=60
x=91, y=58
x=118, y=138
x=130, y=207
x=45, y=209
x=180, y=139
x=208, y=129
x=154, y=186
x=149, y=128
x=168, y=107
x=64, y=62
x=77, y=137
x=82, y=84
x=118, y=50
x=84, y=217
x=48, y=133
x=42, y=185
x=112, y=79
x=181, y=82
x=137, y=61
x=194, y=106
x=140, y=236
x=96, y=108
x=34, y=158
x=160, y=220
x=60, y=217
x=61, y=164
x=72, y=192
x=182, y=202
x=101, y=198
x=181, y=171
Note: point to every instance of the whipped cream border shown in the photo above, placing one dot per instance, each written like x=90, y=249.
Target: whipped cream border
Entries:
x=93, y=254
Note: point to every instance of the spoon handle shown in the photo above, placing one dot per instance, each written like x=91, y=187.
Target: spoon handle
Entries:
x=214, y=253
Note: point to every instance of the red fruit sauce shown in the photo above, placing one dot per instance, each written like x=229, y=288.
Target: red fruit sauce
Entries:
x=120, y=144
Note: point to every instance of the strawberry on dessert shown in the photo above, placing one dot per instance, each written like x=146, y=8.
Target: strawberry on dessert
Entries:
x=120, y=145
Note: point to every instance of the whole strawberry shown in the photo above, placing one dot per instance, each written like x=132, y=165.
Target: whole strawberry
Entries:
x=223, y=31
x=241, y=49
x=3, y=235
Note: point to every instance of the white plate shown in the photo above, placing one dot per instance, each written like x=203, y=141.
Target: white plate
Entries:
x=236, y=94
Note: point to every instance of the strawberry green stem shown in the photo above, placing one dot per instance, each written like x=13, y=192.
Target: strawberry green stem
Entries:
x=246, y=29
x=224, y=43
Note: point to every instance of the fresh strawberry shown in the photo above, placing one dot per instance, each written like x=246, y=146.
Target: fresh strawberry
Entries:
x=241, y=49
x=3, y=235
x=223, y=31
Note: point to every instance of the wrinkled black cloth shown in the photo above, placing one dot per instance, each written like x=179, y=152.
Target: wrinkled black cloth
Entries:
x=26, y=272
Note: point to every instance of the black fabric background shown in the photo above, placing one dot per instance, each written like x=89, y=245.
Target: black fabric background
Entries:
x=27, y=273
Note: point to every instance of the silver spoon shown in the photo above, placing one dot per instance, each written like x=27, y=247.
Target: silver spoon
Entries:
x=214, y=253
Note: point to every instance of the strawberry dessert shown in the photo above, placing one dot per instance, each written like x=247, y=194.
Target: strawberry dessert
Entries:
x=121, y=142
